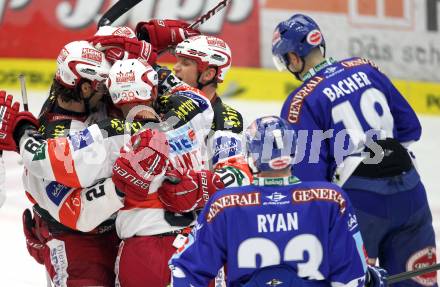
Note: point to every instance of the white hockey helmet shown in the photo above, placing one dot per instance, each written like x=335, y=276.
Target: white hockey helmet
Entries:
x=80, y=60
x=207, y=51
x=132, y=81
x=116, y=31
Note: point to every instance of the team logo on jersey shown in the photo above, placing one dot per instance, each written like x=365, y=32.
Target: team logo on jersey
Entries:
x=314, y=37
x=231, y=200
x=319, y=194
x=81, y=139
x=276, y=198
x=420, y=259
x=352, y=221
x=40, y=153
x=56, y=192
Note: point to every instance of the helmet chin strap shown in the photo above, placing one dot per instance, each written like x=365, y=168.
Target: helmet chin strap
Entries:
x=200, y=86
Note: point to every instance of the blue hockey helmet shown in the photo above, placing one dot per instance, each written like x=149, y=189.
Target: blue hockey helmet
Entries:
x=299, y=34
x=270, y=144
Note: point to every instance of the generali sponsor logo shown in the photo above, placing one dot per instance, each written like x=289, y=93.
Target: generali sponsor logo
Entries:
x=127, y=77
x=358, y=62
x=231, y=200
x=319, y=194
x=298, y=99
x=92, y=55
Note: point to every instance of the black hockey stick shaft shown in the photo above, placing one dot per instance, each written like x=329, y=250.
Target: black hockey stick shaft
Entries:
x=202, y=19
x=116, y=11
x=407, y=275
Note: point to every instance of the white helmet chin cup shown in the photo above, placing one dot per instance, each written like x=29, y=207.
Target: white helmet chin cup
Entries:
x=80, y=60
x=132, y=81
x=207, y=51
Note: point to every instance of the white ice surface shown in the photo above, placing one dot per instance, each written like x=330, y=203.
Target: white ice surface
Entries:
x=17, y=268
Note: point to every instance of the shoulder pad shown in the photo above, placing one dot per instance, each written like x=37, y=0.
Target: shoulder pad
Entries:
x=226, y=118
x=56, y=128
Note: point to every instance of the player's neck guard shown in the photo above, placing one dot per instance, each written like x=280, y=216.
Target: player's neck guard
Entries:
x=310, y=73
x=275, y=181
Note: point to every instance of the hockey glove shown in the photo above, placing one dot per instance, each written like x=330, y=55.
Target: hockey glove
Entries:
x=35, y=246
x=376, y=277
x=140, y=167
x=188, y=191
x=11, y=120
x=163, y=34
x=117, y=47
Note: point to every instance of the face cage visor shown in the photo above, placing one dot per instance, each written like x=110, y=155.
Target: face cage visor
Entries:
x=279, y=62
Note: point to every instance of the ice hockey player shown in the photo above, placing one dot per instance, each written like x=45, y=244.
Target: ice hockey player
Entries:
x=65, y=252
x=281, y=219
x=202, y=62
x=359, y=127
x=146, y=225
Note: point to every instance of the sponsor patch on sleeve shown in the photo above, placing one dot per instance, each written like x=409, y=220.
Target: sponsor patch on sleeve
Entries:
x=81, y=139
x=226, y=147
x=56, y=192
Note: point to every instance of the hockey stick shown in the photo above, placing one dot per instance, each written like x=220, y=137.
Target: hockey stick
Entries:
x=23, y=92
x=202, y=19
x=116, y=11
x=205, y=17
x=407, y=275
x=122, y=6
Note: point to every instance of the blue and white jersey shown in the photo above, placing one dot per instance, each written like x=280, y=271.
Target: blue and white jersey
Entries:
x=338, y=109
x=309, y=226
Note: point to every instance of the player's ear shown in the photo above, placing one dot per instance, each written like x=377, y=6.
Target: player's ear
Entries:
x=293, y=58
x=209, y=74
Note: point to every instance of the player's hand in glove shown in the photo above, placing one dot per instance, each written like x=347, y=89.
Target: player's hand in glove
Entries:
x=163, y=34
x=12, y=121
x=188, y=191
x=376, y=277
x=140, y=168
x=35, y=246
x=122, y=44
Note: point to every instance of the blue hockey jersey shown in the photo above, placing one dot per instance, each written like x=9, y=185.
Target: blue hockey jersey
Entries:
x=309, y=226
x=340, y=107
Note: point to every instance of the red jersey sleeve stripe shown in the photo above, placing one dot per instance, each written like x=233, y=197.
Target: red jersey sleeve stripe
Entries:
x=62, y=163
